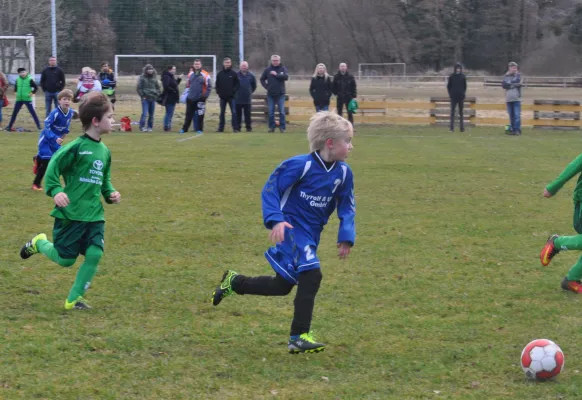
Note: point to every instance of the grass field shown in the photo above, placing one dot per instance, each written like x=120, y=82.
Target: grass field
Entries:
x=437, y=300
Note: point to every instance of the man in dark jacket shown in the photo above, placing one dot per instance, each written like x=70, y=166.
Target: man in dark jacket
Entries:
x=52, y=81
x=227, y=86
x=344, y=87
x=273, y=79
x=457, y=88
x=108, y=83
x=243, y=100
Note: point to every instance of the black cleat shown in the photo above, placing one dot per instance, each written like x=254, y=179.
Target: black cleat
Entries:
x=29, y=249
x=225, y=288
x=305, y=344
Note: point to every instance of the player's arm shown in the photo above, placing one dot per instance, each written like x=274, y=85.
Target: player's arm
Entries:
x=284, y=176
x=208, y=86
x=253, y=84
x=107, y=190
x=264, y=78
x=33, y=86
x=346, y=211
x=572, y=169
x=140, y=88
x=60, y=161
x=283, y=76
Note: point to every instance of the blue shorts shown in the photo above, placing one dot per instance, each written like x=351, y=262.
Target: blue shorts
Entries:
x=296, y=254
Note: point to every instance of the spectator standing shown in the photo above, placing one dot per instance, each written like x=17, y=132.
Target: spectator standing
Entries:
x=199, y=87
x=227, y=85
x=52, y=81
x=244, y=96
x=171, y=94
x=3, y=90
x=273, y=79
x=457, y=88
x=25, y=87
x=321, y=88
x=512, y=85
x=108, y=82
x=345, y=89
x=148, y=89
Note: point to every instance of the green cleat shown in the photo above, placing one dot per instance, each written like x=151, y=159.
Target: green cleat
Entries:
x=225, y=288
x=78, y=304
x=305, y=344
x=29, y=249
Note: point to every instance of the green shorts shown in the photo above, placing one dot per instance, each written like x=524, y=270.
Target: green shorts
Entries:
x=72, y=238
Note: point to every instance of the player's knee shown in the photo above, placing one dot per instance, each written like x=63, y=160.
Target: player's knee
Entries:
x=94, y=254
x=67, y=262
x=311, y=279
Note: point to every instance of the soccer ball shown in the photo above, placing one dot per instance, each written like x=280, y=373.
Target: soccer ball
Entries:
x=542, y=359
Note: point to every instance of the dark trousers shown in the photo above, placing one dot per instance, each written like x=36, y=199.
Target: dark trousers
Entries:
x=17, y=106
x=307, y=287
x=195, y=110
x=340, y=105
x=40, y=170
x=246, y=109
x=454, y=104
x=221, y=119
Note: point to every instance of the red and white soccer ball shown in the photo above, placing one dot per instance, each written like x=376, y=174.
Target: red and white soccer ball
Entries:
x=542, y=359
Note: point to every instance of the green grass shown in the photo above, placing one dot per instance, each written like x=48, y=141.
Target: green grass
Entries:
x=441, y=293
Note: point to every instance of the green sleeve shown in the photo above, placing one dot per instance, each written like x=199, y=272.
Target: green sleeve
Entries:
x=107, y=188
x=58, y=163
x=575, y=167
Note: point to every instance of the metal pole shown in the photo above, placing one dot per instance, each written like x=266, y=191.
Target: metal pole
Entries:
x=54, y=27
x=241, y=34
x=32, y=56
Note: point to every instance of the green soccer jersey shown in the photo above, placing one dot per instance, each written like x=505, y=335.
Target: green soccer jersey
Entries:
x=85, y=166
x=575, y=167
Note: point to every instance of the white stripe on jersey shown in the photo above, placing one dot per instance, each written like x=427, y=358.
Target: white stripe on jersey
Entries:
x=288, y=191
x=345, y=170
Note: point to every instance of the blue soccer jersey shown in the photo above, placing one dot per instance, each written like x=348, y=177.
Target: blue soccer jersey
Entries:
x=304, y=192
x=56, y=125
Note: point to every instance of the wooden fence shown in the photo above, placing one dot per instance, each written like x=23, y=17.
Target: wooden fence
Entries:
x=547, y=114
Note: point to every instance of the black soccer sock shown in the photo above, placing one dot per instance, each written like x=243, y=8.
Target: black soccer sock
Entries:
x=307, y=288
x=261, y=285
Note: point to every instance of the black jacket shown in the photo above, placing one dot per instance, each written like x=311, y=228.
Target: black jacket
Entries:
x=227, y=84
x=321, y=89
x=457, y=84
x=52, y=79
x=344, y=86
x=171, y=93
x=275, y=84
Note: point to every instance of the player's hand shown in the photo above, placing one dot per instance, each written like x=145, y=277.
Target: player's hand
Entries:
x=59, y=141
x=344, y=249
x=546, y=193
x=61, y=199
x=277, y=234
x=115, y=197
x=273, y=73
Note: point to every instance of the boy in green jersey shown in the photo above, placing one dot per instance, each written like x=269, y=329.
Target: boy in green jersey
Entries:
x=556, y=243
x=79, y=225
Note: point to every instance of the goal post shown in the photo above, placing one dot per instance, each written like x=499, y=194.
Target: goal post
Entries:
x=371, y=70
x=169, y=56
x=11, y=57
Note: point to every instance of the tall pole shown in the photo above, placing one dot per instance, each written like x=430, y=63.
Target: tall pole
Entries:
x=241, y=33
x=54, y=27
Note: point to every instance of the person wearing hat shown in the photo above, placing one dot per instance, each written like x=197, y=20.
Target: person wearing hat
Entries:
x=25, y=87
x=512, y=85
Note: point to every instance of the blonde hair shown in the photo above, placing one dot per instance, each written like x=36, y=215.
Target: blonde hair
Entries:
x=325, y=74
x=326, y=125
x=85, y=69
x=66, y=93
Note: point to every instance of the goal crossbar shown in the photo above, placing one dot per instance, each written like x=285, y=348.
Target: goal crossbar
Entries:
x=118, y=56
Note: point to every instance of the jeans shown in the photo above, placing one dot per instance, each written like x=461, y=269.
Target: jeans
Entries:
x=460, y=103
x=169, y=115
x=49, y=99
x=280, y=101
x=232, y=105
x=147, y=109
x=244, y=109
x=514, y=111
x=17, y=106
x=340, y=105
x=321, y=108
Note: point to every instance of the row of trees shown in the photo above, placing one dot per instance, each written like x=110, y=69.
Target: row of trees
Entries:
x=545, y=36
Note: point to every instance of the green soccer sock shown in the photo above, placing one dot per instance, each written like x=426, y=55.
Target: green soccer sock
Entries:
x=48, y=249
x=575, y=273
x=86, y=273
x=569, y=242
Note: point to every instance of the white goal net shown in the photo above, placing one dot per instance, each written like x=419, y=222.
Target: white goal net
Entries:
x=17, y=52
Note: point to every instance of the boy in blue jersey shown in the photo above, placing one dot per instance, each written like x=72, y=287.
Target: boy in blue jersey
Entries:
x=56, y=126
x=298, y=199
